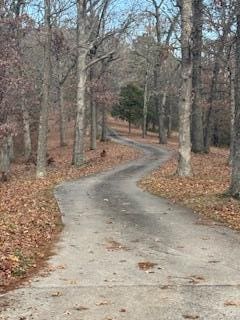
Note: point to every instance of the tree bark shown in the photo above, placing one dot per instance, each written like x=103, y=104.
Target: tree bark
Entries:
x=160, y=110
x=145, y=107
x=43, y=122
x=232, y=98
x=78, y=151
x=209, y=115
x=161, y=114
x=78, y=147
x=104, y=129
x=184, y=164
x=169, y=121
x=61, y=107
x=208, y=126
x=158, y=104
x=235, y=176
x=25, y=114
x=93, y=125
x=197, y=120
x=10, y=144
x=93, y=142
x=5, y=157
x=26, y=132
x=62, y=120
x=129, y=127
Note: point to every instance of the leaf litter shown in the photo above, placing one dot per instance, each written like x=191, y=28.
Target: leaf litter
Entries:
x=205, y=192
x=29, y=214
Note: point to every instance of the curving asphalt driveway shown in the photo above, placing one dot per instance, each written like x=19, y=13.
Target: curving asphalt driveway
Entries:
x=110, y=227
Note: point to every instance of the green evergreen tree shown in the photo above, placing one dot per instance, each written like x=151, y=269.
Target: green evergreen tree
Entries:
x=130, y=106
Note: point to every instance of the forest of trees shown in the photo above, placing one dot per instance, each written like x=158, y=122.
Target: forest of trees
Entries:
x=163, y=65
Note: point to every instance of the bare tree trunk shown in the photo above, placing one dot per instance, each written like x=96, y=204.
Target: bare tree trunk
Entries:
x=104, y=129
x=5, y=157
x=208, y=126
x=93, y=142
x=145, y=107
x=161, y=114
x=160, y=111
x=26, y=132
x=62, y=117
x=169, y=121
x=61, y=107
x=159, y=60
x=10, y=147
x=93, y=125
x=232, y=97
x=78, y=147
x=209, y=115
x=25, y=114
x=235, y=176
x=78, y=151
x=43, y=122
x=184, y=164
x=197, y=121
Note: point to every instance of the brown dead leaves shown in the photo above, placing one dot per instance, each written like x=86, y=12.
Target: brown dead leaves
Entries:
x=146, y=265
x=232, y=303
x=204, y=192
x=113, y=245
x=29, y=216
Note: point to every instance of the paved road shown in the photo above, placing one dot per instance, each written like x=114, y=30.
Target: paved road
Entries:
x=110, y=227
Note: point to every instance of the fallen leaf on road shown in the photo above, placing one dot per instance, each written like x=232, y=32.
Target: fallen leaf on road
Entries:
x=81, y=308
x=102, y=303
x=115, y=246
x=56, y=294
x=146, y=265
x=188, y=316
x=195, y=279
x=232, y=303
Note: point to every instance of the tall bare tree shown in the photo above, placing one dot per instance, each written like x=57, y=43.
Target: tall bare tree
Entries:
x=185, y=101
x=93, y=140
x=159, y=60
x=82, y=52
x=145, y=103
x=235, y=176
x=197, y=116
x=43, y=122
x=220, y=19
x=89, y=38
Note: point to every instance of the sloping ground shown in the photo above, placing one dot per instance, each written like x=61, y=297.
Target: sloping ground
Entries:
x=205, y=192
x=125, y=254
x=136, y=134
x=29, y=215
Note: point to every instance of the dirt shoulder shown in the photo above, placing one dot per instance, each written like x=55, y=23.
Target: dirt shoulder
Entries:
x=30, y=219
